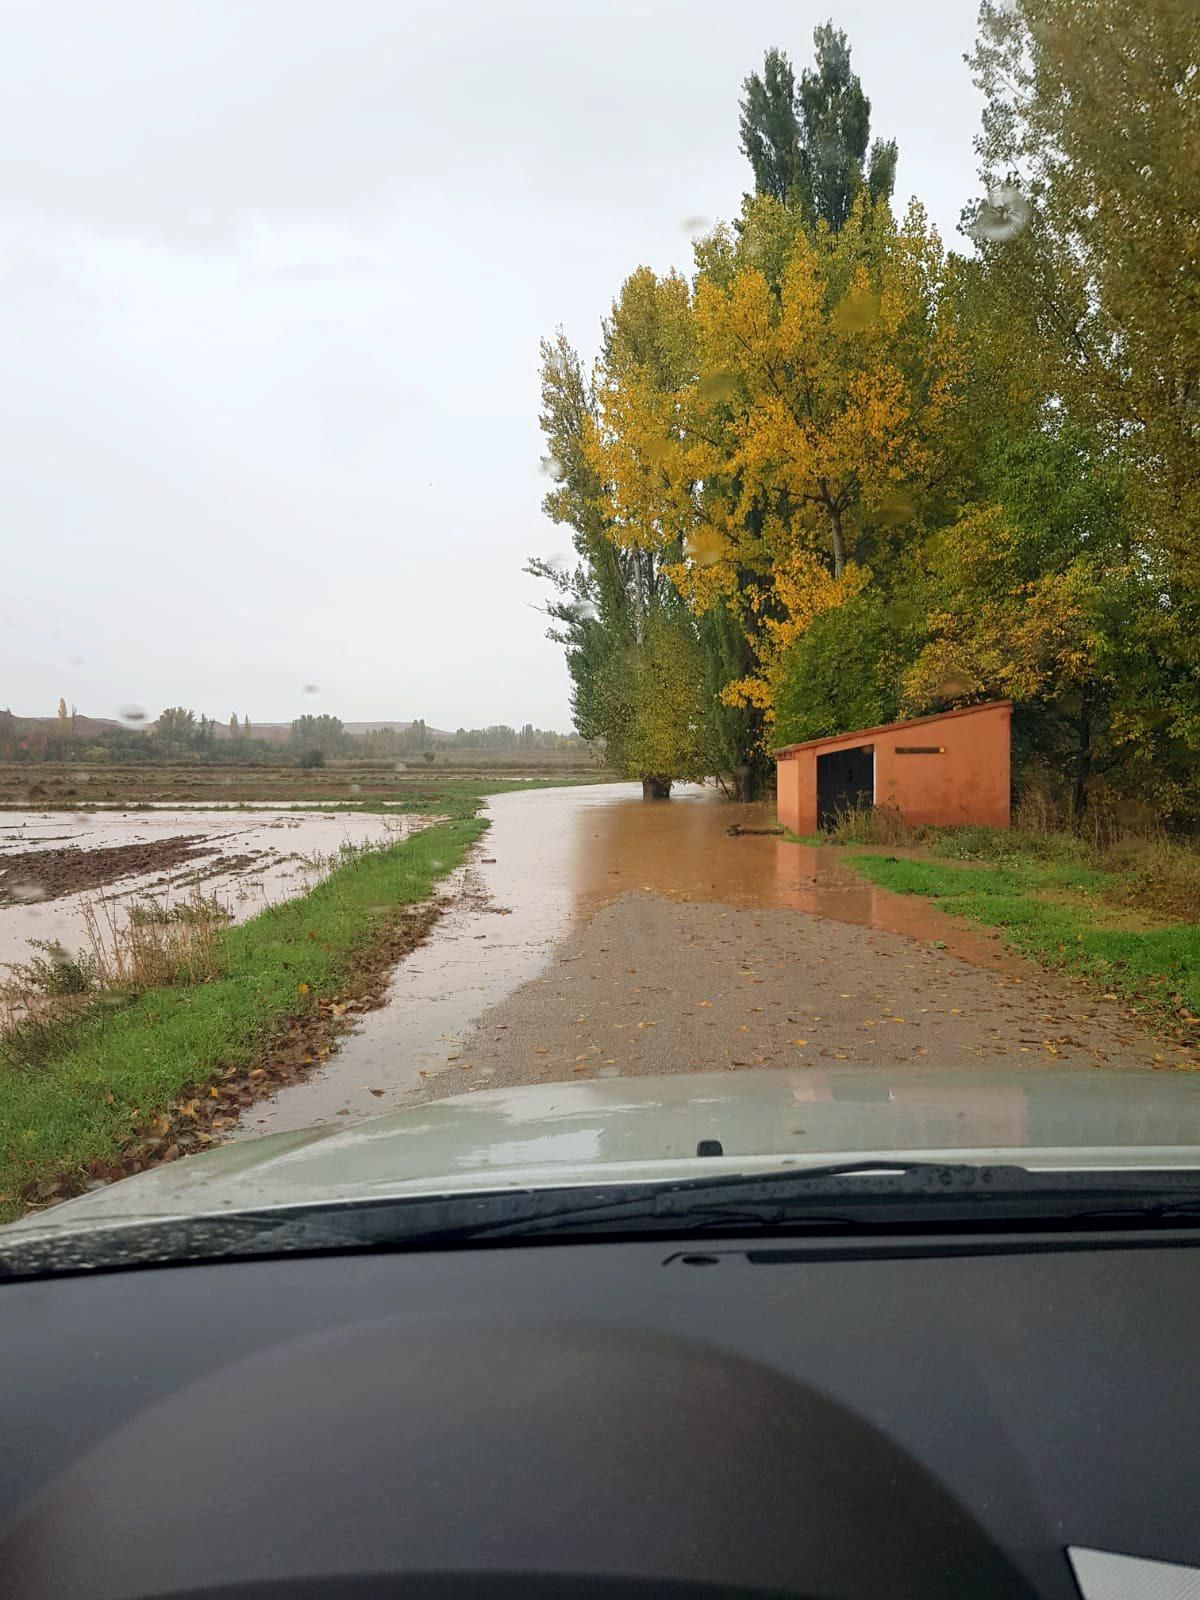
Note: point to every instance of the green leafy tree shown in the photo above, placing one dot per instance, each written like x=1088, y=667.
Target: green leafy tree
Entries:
x=841, y=673
x=807, y=143
x=324, y=735
x=591, y=602
x=770, y=132
x=658, y=697
x=175, y=729
x=1089, y=151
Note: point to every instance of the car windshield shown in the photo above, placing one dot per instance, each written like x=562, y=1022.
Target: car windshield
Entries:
x=594, y=594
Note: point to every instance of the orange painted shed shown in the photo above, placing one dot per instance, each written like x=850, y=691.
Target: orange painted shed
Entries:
x=943, y=771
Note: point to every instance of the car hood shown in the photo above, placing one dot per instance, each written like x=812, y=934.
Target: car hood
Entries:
x=616, y=1130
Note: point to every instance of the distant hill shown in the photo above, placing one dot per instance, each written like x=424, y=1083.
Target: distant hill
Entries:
x=84, y=726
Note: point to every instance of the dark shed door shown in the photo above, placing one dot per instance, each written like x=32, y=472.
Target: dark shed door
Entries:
x=845, y=779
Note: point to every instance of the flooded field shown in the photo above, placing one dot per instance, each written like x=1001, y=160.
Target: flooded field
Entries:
x=28, y=785
x=51, y=863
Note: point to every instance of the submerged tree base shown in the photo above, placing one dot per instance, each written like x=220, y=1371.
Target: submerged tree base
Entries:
x=656, y=788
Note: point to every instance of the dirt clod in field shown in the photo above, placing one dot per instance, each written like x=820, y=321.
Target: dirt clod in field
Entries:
x=54, y=873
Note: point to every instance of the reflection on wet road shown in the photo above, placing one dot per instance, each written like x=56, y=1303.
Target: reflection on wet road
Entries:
x=553, y=859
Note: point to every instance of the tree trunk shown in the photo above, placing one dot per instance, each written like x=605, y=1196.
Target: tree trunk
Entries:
x=839, y=547
x=656, y=788
x=1083, y=765
x=835, y=524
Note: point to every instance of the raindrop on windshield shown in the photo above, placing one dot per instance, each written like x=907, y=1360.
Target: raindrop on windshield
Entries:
x=705, y=547
x=696, y=226
x=718, y=385
x=28, y=890
x=312, y=688
x=552, y=467
x=896, y=508
x=132, y=714
x=1002, y=216
x=857, y=311
x=951, y=687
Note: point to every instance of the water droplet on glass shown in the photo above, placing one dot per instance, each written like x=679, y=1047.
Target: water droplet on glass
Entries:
x=356, y=788
x=312, y=688
x=587, y=611
x=132, y=714
x=901, y=613
x=28, y=890
x=896, y=508
x=718, y=385
x=856, y=311
x=695, y=226
x=81, y=775
x=1002, y=216
x=705, y=547
x=608, y=1072
x=951, y=687
x=552, y=467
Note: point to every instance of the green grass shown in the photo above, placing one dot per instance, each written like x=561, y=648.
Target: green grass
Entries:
x=457, y=797
x=117, y=1068
x=1060, y=913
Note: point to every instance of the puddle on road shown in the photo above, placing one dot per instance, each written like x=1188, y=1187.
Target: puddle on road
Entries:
x=684, y=850
x=553, y=855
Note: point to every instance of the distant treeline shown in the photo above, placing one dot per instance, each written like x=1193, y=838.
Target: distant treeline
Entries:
x=179, y=734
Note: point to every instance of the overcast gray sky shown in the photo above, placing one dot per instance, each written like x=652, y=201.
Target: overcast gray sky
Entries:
x=272, y=279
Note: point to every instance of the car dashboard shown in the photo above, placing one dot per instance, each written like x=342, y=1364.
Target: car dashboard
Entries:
x=1000, y=1415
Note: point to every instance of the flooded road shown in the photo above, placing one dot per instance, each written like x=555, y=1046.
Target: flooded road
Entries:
x=595, y=889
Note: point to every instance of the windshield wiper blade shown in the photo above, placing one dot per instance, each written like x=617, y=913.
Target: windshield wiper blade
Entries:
x=871, y=1193
x=851, y=1194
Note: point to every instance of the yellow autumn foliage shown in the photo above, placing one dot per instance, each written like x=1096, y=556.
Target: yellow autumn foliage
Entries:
x=814, y=411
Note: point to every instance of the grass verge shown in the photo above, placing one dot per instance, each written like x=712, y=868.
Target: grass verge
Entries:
x=1064, y=914
x=123, y=1076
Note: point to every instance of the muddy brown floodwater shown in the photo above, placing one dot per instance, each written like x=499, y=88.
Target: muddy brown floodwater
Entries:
x=597, y=932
